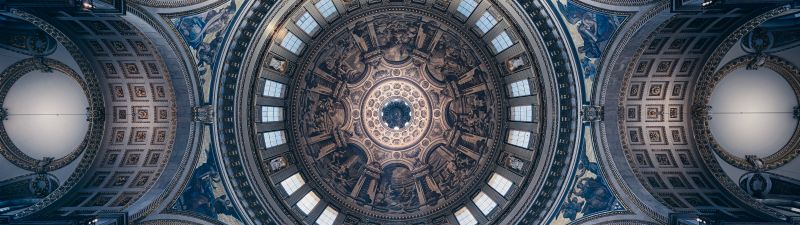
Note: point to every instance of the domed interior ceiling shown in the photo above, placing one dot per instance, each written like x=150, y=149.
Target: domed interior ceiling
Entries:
x=396, y=113
x=458, y=112
x=392, y=113
x=94, y=94
x=42, y=99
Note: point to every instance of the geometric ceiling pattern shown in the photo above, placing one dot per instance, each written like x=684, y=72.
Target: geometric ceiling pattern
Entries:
x=457, y=112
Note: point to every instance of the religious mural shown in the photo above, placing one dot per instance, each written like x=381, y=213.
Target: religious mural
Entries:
x=590, y=193
x=591, y=32
x=451, y=168
x=205, y=194
x=344, y=165
x=205, y=34
x=396, y=191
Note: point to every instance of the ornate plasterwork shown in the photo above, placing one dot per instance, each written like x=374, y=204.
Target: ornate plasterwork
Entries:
x=703, y=96
x=140, y=116
x=409, y=55
x=256, y=55
x=175, y=183
x=703, y=144
x=396, y=137
x=95, y=115
x=94, y=142
x=655, y=114
x=562, y=97
x=607, y=76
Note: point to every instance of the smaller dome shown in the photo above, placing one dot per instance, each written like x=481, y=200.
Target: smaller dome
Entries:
x=752, y=112
x=46, y=114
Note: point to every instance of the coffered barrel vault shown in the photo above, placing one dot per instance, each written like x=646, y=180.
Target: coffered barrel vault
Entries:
x=399, y=112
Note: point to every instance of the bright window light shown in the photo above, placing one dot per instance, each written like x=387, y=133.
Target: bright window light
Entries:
x=500, y=184
x=520, y=88
x=501, y=42
x=325, y=8
x=464, y=217
x=327, y=217
x=522, y=113
x=519, y=138
x=484, y=203
x=273, y=89
x=307, y=203
x=271, y=114
x=307, y=23
x=291, y=184
x=274, y=138
x=291, y=43
x=486, y=22
x=465, y=7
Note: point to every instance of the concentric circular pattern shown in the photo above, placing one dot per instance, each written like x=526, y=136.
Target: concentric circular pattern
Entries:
x=390, y=136
x=702, y=117
x=18, y=156
x=396, y=114
x=443, y=91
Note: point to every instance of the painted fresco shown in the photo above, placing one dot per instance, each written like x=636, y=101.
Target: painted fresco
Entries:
x=590, y=193
x=591, y=33
x=205, y=194
x=204, y=33
x=390, y=63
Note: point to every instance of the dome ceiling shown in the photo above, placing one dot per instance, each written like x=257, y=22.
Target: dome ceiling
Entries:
x=45, y=101
x=396, y=114
x=392, y=112
x=113, y=81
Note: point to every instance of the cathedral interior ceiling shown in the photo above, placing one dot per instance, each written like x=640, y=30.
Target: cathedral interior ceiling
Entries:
x=397, y=112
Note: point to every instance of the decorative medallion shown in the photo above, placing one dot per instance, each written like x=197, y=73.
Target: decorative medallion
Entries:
x=396, y=114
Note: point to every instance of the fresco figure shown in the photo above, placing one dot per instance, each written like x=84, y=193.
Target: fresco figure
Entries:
x=204, y=33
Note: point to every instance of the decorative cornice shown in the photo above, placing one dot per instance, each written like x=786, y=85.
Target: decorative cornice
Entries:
x=564, y=100
x=173, y=184
x=544, y=198
x=226, y=144
x=94, y=115
x=92, y=83
x=614, y=171
x=705, y=149
x=701, y=117
x=308, y=60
